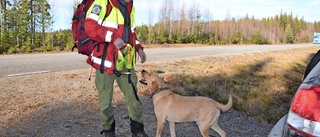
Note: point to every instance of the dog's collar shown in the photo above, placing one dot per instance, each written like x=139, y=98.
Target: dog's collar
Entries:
x=159, y=90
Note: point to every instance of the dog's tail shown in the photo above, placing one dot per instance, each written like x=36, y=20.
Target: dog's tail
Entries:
x=225, y=107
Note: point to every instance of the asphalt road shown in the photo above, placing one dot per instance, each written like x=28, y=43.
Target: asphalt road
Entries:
x=14, y=65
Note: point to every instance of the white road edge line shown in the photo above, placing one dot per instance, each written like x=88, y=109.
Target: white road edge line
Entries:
x=28, y=73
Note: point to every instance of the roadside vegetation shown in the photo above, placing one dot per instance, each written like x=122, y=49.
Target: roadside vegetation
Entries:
x=262, y=84
x=25, y=29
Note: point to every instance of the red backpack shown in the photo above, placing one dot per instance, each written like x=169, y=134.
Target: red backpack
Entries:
x=82, y=41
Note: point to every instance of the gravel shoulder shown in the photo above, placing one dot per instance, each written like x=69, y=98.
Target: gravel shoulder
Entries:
x=65, y=104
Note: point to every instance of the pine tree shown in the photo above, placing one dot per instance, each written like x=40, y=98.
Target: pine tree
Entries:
x=22, y=25
x=289, y=34
x=44, y=20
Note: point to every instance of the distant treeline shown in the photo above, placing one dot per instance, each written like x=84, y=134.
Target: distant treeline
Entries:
x=279, y=29
x=26, y=26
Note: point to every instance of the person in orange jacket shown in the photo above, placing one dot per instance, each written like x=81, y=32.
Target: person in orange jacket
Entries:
x=112, y=24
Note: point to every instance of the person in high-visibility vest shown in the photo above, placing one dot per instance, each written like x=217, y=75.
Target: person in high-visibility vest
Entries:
x=112, y=23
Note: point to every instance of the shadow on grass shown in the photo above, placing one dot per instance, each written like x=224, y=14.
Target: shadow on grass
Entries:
x=264, y=95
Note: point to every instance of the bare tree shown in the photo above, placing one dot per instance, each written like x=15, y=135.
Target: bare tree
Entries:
x=184, y=23
x=150, y=13
x=192, y=16
x=162, y=18
x=183, y=20
x=163, y=13
x=170, y=17
x=150, y=20
x=228, y=31
x=167, y=14
x=207, y=17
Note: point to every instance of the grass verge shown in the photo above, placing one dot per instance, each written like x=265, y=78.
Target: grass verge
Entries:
x=262, y=84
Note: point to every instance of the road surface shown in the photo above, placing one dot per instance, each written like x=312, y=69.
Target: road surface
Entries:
x=13, y=65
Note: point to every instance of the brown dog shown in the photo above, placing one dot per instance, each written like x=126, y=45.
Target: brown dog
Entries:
x=175, y=108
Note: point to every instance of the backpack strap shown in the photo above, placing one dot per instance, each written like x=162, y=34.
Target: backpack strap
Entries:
x=84, y=14
x=105, y=48
x=109, y=8
x=108, y=11
x=104, y=54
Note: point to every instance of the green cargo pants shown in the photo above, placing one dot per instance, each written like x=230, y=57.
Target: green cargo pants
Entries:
x=104, y=83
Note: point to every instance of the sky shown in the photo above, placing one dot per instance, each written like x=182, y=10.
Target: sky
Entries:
x=219, y=9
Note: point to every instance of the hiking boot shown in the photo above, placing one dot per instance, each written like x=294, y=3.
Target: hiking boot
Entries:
x=108, y=134
x=140, y=134
x=137, y=129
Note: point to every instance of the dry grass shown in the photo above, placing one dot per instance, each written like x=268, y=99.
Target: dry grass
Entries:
x=262, y=84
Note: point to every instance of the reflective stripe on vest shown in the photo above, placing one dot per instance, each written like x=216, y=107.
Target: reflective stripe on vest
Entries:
x=137, y=42
x=96, y=60
x=105, y=23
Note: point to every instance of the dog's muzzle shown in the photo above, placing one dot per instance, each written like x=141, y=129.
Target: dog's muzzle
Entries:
x=143, y=81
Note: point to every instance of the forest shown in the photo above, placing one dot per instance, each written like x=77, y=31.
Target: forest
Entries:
x=26, y=26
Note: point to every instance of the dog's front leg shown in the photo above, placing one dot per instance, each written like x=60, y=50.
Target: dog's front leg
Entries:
x=172, y=129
